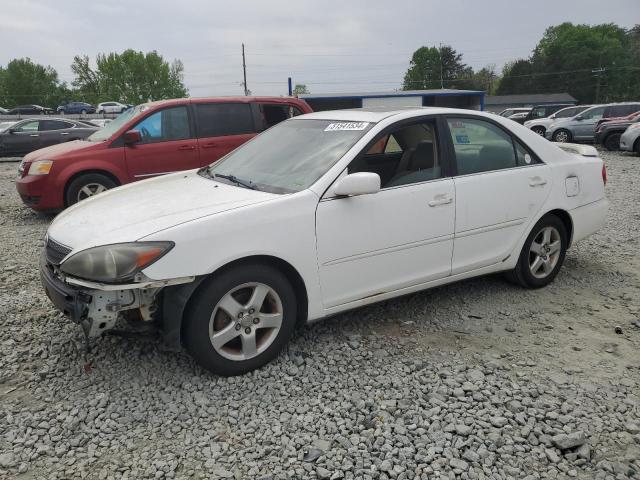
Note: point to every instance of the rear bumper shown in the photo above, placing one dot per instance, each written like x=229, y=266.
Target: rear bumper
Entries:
x=588, y=219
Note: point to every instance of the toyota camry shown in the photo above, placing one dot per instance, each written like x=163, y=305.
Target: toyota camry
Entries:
x=322, y=213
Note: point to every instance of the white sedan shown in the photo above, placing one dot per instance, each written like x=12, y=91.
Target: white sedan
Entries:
x=320, y=214
x=111, y=107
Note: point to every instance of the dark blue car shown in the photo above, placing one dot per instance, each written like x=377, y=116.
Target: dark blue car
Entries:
x=76, y=107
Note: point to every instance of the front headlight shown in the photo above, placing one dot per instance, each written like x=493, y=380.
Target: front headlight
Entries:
x=40, y=167
x=114, y=263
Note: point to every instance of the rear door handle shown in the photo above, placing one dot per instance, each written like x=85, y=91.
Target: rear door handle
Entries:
x=64, y=133
x=537, y=182
x=34, y=135
x=442, y=199
x=209, y=145
x=186, y=147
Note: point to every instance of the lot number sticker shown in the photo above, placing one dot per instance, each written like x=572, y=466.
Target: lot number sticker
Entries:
x=336, y=127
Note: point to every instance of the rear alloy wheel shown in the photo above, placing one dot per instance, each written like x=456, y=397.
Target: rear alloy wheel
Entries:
x=612, y=142
x=539, y=130
x=542, y=254
x=562, y=136
x=87, y=186
x=241, y=319
x=83, y=112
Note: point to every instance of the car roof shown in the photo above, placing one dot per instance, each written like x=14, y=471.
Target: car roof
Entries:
x=376, y=115
x=240, y=99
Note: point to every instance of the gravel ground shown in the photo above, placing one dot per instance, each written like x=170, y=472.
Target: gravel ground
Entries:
x=475, y=380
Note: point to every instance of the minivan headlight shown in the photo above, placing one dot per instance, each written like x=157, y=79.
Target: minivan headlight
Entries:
x=40, y=167
x=114, y=263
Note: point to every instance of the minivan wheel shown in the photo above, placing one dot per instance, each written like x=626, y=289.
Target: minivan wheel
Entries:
x=562, y=136
x=612, y=142
x=86, y=186
x=539, y=130
x=241, y=319
x=542, y=254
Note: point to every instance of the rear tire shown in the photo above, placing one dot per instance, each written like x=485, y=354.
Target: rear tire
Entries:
x=86, y=186
x=249, y=329
x=542, y=254
x=539, y=130
x=562, y=136
x=612, y=142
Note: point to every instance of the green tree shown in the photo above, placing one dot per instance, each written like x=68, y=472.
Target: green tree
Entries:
x=435, y=67
x=300, y=89
x=484, y=79
x=129, y=77
x=25, y=82
x=594, y=63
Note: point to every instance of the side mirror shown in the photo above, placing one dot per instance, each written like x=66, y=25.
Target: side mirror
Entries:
x=12, y=130
x=132, y=137
x=361, y=183
x=579, y=118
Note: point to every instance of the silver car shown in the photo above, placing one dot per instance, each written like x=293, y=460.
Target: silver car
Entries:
x=540, y=125
x=582, y=127
x=630, y=139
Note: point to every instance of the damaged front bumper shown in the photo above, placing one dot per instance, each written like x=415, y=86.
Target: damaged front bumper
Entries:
x=97, y=306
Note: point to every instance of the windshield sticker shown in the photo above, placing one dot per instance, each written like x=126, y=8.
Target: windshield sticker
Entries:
x=462, y=139
x=335, y=127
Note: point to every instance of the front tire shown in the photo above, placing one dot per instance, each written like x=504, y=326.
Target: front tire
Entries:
x=86, y=186
x=562, y=136
x=542, y=254
x=612, y=142
x=240, y=319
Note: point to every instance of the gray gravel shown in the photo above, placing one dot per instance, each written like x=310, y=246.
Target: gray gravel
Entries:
x=475, y=380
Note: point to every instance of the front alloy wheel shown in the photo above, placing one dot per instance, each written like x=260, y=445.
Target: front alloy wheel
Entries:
x=562, y=136
x=240, y=319
x=246, y=321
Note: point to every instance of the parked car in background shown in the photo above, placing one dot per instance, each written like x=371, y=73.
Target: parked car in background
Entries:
x=630, y=139
x=507, y=112
x=4, y=111
x=519, y=117
x=321, y=214
x=582, y=127
x=608, y=133
x=76, y=107
x=625, y=118
x=98, y=122
x=544, y=111
x=540, y=125
x=29, y=110
x=111, y=107
x=148, y=140
x=31, y=134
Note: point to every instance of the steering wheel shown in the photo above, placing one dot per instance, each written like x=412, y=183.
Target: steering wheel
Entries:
x=145, y=132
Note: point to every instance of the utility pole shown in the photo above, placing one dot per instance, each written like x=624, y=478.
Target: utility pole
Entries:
x=244, y=72
x=598, y=73
x=441, y=67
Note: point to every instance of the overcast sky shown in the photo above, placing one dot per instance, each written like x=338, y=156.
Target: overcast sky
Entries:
x=332, y=46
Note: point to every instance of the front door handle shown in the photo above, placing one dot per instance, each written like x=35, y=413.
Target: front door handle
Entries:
x=537, y=182
x=186, y=147
x=34, y=135
x=442, y=199
x=64, y=133
x=209, y=145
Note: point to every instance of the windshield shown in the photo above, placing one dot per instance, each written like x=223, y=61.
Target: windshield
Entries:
x=290, y=156
x=114, y=125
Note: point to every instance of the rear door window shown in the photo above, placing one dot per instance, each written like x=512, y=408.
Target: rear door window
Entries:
x=54, y=125
x=165, y=125
x=222, y=119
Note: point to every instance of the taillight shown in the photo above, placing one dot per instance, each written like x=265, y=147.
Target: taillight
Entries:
x=604, y=173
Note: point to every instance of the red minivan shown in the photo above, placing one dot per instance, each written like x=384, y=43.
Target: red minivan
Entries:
x=148, y=140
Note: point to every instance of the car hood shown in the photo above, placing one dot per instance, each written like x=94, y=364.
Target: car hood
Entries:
x=50, y=153
x=134, y=211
